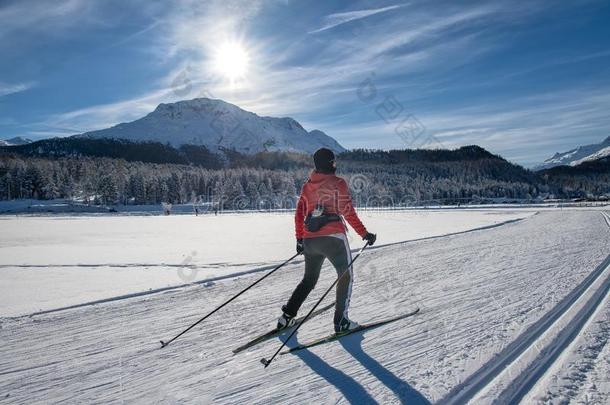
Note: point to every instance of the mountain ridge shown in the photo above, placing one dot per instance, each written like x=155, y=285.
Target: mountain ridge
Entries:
x=15, y=141
x=217, y=125
x=199, y=155
x=577, y=156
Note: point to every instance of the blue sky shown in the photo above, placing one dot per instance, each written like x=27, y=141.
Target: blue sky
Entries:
x=523, y=79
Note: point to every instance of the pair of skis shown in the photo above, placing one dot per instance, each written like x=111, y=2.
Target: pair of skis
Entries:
x=277, y=332
x=360, y=328
x=327, y=339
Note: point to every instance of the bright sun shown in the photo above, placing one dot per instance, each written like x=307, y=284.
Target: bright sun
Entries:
x=231, y=60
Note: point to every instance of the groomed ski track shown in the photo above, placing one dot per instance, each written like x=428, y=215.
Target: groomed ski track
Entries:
x=478, y=292
x=606, y=217
x=547, y=353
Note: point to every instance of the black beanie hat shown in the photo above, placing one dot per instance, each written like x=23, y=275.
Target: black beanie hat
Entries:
x=324, y=159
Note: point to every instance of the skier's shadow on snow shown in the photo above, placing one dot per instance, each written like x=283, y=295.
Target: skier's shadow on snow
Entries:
x=350, y=388
x=407, y=394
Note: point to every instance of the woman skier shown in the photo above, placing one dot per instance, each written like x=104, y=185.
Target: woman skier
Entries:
x=320, y=232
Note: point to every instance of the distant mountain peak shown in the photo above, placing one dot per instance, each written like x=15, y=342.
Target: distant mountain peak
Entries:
x=219, y=125
x=578, y=155
x=198, y=104
x=18, y=140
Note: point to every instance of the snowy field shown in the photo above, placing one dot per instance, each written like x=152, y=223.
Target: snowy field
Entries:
x=514, y=312
x=90, y=258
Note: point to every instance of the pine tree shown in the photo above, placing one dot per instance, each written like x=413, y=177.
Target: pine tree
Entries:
x=107, y=190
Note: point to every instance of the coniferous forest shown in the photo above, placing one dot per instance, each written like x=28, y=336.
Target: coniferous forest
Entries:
x=113, y=172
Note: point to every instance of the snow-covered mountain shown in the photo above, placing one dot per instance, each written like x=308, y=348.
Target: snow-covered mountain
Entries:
x=577, y=156
x=15, y=141
x=217, y=124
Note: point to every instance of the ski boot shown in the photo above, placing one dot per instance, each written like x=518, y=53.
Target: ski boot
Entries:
x=285, y=321
x=345, y=326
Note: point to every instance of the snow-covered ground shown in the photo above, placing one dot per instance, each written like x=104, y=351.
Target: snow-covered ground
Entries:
x=533, y=291
x=89, y=258
x=582, y=373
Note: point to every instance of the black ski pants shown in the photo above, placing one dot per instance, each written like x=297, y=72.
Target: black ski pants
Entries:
x=336, y=249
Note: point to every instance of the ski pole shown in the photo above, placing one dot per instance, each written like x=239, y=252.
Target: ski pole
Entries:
x=267, y=362
x=163, y=344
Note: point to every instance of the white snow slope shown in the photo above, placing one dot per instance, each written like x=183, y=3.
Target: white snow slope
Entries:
x=480, y=293
x=595, y=156
x=577, y=156
x=15, y=141
x=218, y=124
x=90, y=258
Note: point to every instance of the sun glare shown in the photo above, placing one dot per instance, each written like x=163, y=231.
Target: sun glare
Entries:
x=231, y=60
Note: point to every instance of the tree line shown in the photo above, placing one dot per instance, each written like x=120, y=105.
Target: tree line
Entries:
x=273, y=180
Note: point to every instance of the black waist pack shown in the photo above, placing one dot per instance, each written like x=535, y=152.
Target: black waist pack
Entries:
x=315, y=223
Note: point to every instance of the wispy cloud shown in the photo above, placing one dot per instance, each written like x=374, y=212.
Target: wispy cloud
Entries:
x=275, y=88
x=336, y=19
x=6, y=89
x=329, y=82
x=195, y=27
x=103, y=115
x=524, y=129
x=184, y=38
x=35, y=16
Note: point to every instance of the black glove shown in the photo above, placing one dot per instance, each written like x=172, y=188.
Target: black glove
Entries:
x=370, y=238
x=300, y=246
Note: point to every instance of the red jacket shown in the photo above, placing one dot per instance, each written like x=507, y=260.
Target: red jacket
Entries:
x=333, y=193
